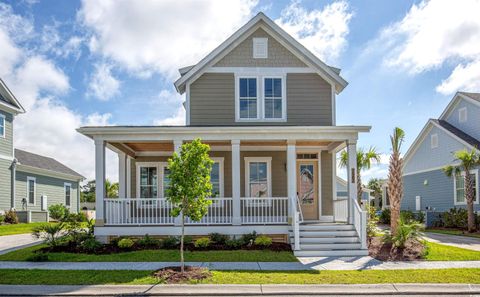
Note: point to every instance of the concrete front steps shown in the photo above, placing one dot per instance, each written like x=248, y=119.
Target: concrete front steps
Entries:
x=328, y=239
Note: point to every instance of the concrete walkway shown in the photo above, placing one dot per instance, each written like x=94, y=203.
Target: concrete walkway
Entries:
x=323, y=263
x=10, y=243
x=464, y=242
x=243, y=290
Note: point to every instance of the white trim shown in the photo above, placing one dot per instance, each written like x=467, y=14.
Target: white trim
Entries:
x=334, y=107
x=65, y=185
x=5, y=157
x=220, y=161
x=462, y=115
x=433, y=140
x=283, y=80
x=237, y=98
x=2, y=117
x=454, y=102
x=262, y=41
x=31, y=178
x=429, y=169
x=267, y=160
x=455, y=202
x=260, y=70
x=187, y=104
x=16, y=109
x=160, y=168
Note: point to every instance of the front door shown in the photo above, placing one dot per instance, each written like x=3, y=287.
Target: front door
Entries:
x=307, y=187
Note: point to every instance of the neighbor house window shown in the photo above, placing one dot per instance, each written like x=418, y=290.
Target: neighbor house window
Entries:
x=434, y=141
x=2, y=125
x=460, y=187
x=68, y=193
x=216, y=178
x=462, y=115
x=273, y=98
x=31, y=190
x=258, y=177
x=248, y=98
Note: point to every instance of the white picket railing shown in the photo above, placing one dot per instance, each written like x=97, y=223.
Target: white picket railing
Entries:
x=134, y=211
x=340, y=209
x=360, y=223
x=219, y=212
x=264, y=210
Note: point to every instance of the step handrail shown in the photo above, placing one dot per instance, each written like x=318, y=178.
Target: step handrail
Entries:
x=299, y=208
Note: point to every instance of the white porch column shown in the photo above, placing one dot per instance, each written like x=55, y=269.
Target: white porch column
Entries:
x=99, y=181
x=128, y=177
x=352, y=178
x=291, y=176
x=122, y=164
x=237, y=220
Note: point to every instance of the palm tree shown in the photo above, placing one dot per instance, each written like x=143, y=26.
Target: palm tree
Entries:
x=364, y=161
x=395, y=181
x=111, y=189
x=467, y=160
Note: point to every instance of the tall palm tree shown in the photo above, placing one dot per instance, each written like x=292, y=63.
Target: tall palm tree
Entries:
x=395, y=181
x=364, y=161
x=111, y=189
x=468, y=160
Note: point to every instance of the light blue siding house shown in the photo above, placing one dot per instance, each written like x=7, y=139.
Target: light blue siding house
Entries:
x=426, y=187
x=342, y=190
x=29, y=183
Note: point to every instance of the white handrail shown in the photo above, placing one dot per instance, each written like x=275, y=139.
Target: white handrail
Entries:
x=299, y=207
x=360, y=223
x=264, y=210
x=295, y=222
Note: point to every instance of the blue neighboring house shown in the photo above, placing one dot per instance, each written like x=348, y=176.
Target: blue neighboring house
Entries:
x=426, y=187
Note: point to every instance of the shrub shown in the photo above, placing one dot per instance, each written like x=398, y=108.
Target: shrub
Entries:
x=372, y=222
x=171, y=242
x=234, y=244
x=405, y=232
x=91, y=245
x=2, y=219
x=187, y=240
x=455, y=218
x=203, y=242
x=149, y=242
x=11, y=217
x=263, y=241
x=385, y=216
x=50, y=233
x=58, y=212
x=125, y=243
x=218, y=238
x=38, y=257
x=249, y=238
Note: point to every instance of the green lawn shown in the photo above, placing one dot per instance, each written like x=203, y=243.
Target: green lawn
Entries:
x=86, y=277
x=17, y=228
x=454, y=232
x=441, y=252
x=158, y=256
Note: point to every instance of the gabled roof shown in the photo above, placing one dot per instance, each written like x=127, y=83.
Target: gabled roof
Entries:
x=8, y=100
x=330, y=74
x=458, y=133
x=469, y=97
x=44, y=163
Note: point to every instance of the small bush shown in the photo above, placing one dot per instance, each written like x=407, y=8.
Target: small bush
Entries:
x=2, y=219
x=50, y=233
x=385, y=216
x=455, y=218
x=170, y=242
x=90, y=245
x=149, y=242
x=218, y=238
x=38, y=257
x=263, y=241
x=125, y=243
x=405, y=232
x=234, y=244
x=202, y=243
x=187, y=240
x=249, y=238
x=58, y=212
x=11, y=217
x=372, y=222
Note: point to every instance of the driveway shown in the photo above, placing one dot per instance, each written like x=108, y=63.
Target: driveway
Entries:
x=10, y=243
x=464, y=242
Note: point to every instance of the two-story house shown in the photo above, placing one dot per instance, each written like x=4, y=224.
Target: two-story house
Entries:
x=29, y=183
x=425, y=184
x=266, y=106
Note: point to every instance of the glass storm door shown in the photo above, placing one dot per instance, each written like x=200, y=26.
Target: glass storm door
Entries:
x=307, y=188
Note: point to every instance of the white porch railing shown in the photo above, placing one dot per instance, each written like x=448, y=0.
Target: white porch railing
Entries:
x=219, y=212
x=264, y=210
x=133, y=211
x=360, y=223
x=340, y=209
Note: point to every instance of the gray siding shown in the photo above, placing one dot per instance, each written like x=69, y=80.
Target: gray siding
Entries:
x=45, y=185
x=242, y=55
x=6, y=144
x=5, y=184
x=472, y=125
x=327, y=183
x=309, y=101
x=438, y=193
x=427, y=158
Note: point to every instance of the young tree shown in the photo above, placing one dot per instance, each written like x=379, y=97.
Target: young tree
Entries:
x=190, y=188
x=467, y=160
x=395, y=181
x=364, y=161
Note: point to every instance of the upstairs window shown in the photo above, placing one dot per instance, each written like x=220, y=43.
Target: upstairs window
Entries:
x=260, y=48
x=2, y=126
x=462, y=115
x=273, y=98
x=248, y=98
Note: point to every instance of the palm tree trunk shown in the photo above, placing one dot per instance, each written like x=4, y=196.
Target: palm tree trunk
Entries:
x=359, y=187
x=469, y=196
x=395, y=190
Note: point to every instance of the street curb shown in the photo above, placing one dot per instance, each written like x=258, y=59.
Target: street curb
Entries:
x=241, y=290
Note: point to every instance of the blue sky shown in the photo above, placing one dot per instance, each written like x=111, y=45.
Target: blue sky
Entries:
x=74, y=63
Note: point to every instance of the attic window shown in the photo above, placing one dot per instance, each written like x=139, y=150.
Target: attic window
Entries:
x=434, y=141
x=462, y=115
x=260, y=48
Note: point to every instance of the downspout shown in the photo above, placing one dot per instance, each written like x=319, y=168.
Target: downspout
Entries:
x=78, y=196
x=14, y=178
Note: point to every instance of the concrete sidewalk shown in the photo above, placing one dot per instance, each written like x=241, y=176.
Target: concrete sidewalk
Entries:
x=463, y=242
x=324, y=263
x=242, y=290
x=10, y=243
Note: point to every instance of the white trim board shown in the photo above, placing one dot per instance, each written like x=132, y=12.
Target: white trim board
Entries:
x=454, y=102
x=4, y=125
x=473, y=171
x=45, y=172
x=65, y=185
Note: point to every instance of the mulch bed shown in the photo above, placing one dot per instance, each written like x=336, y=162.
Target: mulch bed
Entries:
x=413, y=251
x=173, y=274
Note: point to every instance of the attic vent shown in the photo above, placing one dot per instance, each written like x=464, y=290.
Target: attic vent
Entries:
x=260, y=48
x=462, y=115
x=434, y=140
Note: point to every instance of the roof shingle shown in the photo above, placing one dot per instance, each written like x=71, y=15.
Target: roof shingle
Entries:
x=42, y=162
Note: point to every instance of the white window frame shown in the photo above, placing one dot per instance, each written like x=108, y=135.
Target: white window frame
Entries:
x=65, y=185
x=473, y=171
x=220, y=161
x=464, y=111
x=267, y=160
x=255, y=42
x=34, y=179
x=4, y=120
x=434, y=140
x=160, y=189
x=261, y=97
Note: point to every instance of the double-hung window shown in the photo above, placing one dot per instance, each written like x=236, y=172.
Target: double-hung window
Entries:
x=258, y=179
x=31, y=190
x=2, y=126
x=248, y=99
x=460, y=187
x=216, y=178
x=273, y=100
x=68, y=193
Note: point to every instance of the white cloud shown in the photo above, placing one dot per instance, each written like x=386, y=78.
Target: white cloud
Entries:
x=178, y=119
x=103, y=85
x=434, y=33
x=323, y=31
x=160, y=36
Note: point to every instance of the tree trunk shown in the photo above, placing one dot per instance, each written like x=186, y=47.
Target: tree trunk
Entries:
x=182, y=261
x=469, y=196
x=359, y=187
x=395, y=190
